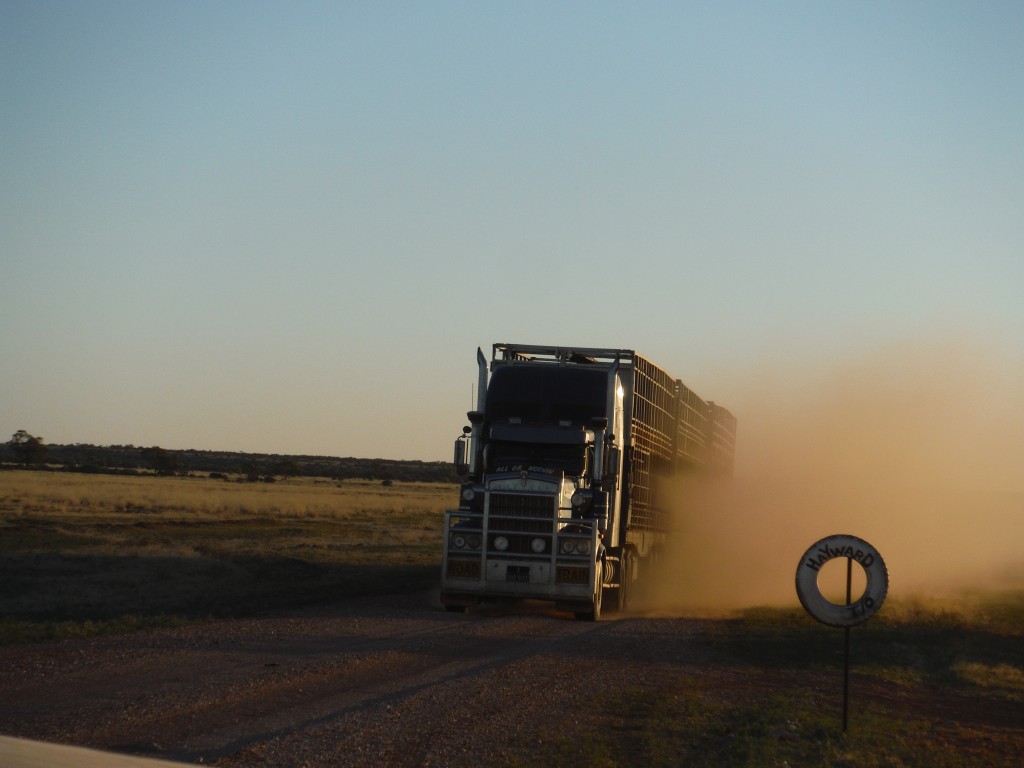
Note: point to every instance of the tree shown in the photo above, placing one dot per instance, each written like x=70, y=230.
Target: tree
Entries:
x=163, y=462
x=27, y=448
x=251, y=470
x=286, y=468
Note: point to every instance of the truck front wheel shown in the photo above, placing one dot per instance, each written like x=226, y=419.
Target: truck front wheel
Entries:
x=622, y=574
x=595, y=612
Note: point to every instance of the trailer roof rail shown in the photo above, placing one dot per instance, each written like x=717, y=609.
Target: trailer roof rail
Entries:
x=561, y=355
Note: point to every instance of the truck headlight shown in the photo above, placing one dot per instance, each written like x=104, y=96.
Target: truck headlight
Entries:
x=538, y=545
x=568, y=546
x=468, y=494
x=459, y=542
x=583, y=547
x=500, y=543
x=473, y=541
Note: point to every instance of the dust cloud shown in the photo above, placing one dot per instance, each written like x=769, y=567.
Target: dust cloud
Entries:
x=918, y=449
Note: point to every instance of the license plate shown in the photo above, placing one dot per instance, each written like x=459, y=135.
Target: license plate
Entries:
x=517, y=573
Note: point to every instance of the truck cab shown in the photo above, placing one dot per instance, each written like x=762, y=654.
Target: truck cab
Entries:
x=544, y=506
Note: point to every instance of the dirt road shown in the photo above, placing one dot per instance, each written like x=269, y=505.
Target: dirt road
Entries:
x=379, y=681
x=395, y=681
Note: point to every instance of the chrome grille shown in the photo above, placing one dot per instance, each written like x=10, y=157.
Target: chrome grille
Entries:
x=521, y=518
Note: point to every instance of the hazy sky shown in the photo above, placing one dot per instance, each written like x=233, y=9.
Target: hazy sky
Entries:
x=286, y=227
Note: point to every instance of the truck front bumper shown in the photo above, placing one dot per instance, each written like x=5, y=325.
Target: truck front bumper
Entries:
x=470, y=576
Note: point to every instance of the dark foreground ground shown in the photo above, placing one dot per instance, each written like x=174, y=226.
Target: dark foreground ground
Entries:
x=395, y=681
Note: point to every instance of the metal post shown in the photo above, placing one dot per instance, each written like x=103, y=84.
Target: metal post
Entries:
x=828, y=612
x=846, y=650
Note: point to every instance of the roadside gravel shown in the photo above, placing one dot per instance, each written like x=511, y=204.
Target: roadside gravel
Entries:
x=377, y=681
x=396, y=681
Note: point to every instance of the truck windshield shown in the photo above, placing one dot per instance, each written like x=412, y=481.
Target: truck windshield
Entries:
x=503, y=456
x=547, y=394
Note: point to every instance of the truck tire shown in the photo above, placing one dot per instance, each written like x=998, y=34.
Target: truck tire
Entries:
x=627, y=566
x=611, y=597
x=594, y=614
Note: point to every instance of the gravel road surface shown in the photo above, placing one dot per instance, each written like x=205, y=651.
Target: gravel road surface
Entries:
x=377, y=681
x=396, y=681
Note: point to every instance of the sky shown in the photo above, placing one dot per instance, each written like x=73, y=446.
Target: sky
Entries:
x=287, y=227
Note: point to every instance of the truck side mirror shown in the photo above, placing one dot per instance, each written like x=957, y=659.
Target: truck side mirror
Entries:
x=462, y=446
x=610, y=470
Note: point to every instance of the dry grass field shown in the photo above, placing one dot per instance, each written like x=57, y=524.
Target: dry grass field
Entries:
x=96, y=553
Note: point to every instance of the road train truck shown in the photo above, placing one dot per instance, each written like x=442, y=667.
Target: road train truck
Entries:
x=561, y=464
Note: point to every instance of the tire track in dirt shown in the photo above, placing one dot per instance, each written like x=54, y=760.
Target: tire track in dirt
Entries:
x=389, y=678
x=210, y=692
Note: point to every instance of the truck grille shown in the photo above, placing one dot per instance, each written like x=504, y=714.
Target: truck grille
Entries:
x=521, y=519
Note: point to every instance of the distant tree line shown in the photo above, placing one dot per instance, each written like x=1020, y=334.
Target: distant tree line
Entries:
x=28, y=450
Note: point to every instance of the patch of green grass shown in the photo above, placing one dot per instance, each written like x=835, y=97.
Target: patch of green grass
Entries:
x=47, y=596
x=32, y=533
x=684, y=726
x=21, y=631
x=912, y=645
x=754, y=701
x=1001, y=679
